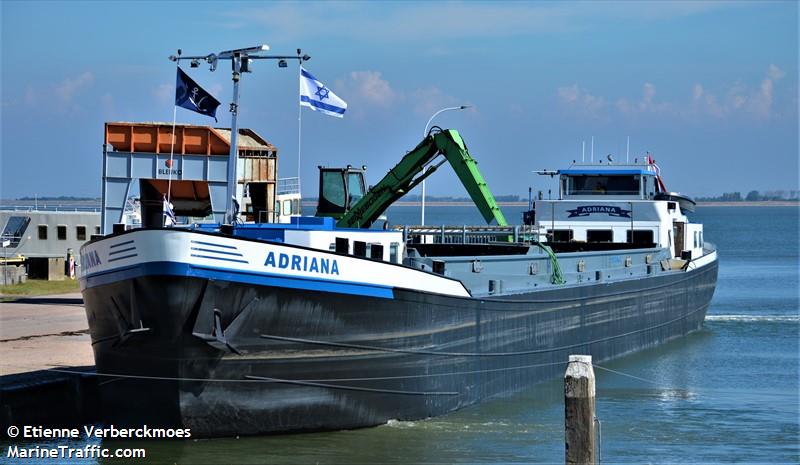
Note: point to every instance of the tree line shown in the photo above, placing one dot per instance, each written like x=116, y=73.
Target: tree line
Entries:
x=753, y=196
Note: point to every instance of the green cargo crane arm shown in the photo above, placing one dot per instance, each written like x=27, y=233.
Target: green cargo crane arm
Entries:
x=401, y=179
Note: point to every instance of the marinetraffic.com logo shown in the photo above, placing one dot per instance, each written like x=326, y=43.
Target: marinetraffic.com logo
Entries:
x=587, y=210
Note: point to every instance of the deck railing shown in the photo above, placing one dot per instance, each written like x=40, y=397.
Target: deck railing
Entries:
x=464, y=234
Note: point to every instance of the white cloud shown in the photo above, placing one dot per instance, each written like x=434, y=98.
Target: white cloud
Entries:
x=366, y=91
x=164, y=94
x=738, y=99
x=371, y=87
x=646, y=104
x=581, y=101
x=429, y=100
x=67, y=89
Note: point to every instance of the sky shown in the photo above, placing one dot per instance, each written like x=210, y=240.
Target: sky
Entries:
x=709, y=88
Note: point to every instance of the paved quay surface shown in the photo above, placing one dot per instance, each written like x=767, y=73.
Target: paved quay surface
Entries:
x=39, y=333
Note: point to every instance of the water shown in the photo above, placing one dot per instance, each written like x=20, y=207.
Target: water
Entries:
x=728, y=393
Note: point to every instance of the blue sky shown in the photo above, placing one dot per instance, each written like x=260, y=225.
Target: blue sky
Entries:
x=710, y=88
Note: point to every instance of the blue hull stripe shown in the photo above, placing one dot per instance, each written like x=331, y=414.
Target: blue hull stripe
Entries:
x=224, y=274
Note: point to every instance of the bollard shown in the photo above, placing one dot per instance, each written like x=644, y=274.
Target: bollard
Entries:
x=579, y=411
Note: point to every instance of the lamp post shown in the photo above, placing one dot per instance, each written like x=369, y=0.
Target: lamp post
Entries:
x=425, y=134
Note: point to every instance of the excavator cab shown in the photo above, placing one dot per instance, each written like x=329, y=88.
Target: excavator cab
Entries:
x=339, y=190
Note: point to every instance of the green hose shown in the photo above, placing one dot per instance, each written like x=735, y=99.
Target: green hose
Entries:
x=557, y=277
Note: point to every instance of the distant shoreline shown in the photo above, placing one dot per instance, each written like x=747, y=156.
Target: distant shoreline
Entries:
x=760, y=203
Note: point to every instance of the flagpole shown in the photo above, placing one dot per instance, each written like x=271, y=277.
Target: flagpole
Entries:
x=171, y=152
x=299, y=120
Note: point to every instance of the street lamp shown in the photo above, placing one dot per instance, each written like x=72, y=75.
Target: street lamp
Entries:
x=425, y=134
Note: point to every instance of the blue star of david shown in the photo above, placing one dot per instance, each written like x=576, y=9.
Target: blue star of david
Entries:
x=322, y=92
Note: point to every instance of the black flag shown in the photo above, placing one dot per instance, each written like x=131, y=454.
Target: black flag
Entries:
x=191, y=96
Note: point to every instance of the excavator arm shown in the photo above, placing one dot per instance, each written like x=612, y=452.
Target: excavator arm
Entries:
x=401, y=179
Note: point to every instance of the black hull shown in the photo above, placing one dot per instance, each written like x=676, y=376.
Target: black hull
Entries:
x=362, y=360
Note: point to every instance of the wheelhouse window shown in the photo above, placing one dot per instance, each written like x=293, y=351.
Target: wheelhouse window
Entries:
x=643, y=236
x=61, y=232
x=561, y=235
x=15, y=228
x=602, y=185
x=599, y=235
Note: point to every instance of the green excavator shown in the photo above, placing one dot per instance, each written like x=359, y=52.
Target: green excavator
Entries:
x=342, y=193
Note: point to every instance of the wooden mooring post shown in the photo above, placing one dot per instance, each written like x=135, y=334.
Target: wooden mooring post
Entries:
x=579, y=411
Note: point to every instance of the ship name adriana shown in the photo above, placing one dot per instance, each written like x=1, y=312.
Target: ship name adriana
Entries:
x=302, y=263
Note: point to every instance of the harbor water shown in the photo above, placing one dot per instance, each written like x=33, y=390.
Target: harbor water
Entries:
x=728, y=393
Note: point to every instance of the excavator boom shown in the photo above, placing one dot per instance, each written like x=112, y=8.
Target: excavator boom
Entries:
x=407, y=174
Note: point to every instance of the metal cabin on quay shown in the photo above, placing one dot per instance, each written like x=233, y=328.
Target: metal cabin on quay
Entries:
x=198, y=171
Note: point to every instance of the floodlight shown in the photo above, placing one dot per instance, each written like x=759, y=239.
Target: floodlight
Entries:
x=243, y=51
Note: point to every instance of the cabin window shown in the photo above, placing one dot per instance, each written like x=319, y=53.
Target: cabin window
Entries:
x=80, y=233
x=296, y=206
x=355, y=187
x=603, y=185
x=599, y=235
x=42, y=232
x=278, y=208
x=15, y=228
x=701, y=239
x=561, y=235
x=393, y=249
x=97, y=229
x=333, y=188
x=695, y=239
x=641, y=236
x=61, y=232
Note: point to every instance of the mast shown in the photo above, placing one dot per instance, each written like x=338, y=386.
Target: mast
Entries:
x=240, y=63
x=233, y=156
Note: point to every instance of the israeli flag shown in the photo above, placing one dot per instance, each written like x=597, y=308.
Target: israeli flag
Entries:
x=169, y=215
x=315, y=95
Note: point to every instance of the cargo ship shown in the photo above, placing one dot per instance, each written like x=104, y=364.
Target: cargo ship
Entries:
x=341, y=320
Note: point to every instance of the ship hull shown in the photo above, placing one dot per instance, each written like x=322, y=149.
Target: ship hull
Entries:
x=226, y=356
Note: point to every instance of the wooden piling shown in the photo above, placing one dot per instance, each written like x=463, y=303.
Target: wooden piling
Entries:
x=579, y=411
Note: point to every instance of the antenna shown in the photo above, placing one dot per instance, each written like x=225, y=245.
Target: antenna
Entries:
x=628, y=150
x=583, y=151
x=592, y=149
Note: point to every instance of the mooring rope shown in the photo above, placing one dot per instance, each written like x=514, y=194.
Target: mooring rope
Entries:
x=249, y=379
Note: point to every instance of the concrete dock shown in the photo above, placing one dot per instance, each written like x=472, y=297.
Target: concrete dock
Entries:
x=39, y=333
